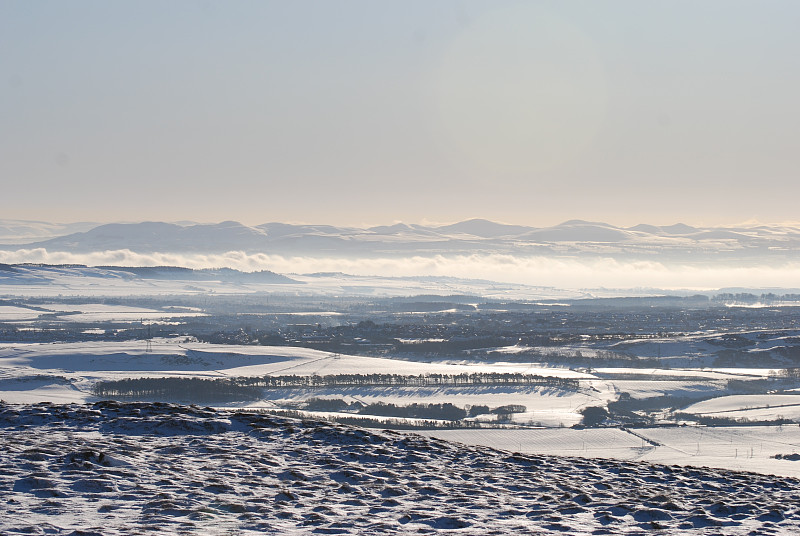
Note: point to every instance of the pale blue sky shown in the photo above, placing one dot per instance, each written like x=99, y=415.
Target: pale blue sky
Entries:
x=367, y=112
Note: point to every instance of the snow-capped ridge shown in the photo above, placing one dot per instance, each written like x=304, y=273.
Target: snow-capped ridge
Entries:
x=484, y=228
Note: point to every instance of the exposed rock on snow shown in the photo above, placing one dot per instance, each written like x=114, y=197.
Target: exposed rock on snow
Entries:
x=143, y=468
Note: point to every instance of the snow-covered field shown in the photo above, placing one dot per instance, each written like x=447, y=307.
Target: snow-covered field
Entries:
x=90, y=312
x=13, y=313
x=656, y=387
x=112, y=469
x=66, y=372
x=227, y=360
x=100, y=360
x=589, y=442
x=740, y=448
x=547, y=406
x=750, y=406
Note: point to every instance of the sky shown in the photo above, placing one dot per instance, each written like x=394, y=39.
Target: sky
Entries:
x=364, y=113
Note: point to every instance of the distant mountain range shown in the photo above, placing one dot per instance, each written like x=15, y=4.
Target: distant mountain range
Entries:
x=476, y=236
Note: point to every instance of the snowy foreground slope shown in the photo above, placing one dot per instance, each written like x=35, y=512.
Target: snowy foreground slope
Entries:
x=142, y=468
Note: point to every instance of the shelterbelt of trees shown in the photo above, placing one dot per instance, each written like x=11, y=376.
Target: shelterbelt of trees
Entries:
x=250, y=388
x=421, y=380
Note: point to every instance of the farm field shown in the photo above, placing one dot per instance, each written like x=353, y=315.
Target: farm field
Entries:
x=546, y=406
x=92, y=312
x=66, y=373
x=750, y=406
x=741, y=448
x=97, y=359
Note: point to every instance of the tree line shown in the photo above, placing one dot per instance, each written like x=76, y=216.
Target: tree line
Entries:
x=201, y=390
x=208, y=390
x=389, y=423
x=421, y=380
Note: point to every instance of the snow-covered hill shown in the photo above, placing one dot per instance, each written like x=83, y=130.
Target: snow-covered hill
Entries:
x=118, y=469
x=81, y=280
x=41, y=279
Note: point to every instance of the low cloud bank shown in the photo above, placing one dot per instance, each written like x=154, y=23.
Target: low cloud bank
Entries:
x=542, y=271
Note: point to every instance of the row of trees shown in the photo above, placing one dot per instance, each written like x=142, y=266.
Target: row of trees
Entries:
x=209, y=390
x=575, y=357
x=387, y=423
x=421, y=380
x=444, y=412
x=196, y=390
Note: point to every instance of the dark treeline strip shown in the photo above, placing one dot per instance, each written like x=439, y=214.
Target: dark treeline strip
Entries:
x=385, y=424
x=204, y=390
x=445, y=411
x=422, y=380
x=744, y=297
x=708, y=420
x=440, y=411
x=332, y=404
x=200, y=390
x=575, y=357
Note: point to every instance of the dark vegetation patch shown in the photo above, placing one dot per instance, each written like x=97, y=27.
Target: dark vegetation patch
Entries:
x=445, y=411
x=196, y=390
x=205, y=390
x=385, y=423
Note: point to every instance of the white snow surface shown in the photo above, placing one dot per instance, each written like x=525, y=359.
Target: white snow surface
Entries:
x=173, y=356
x=759, y=406
x=548, y=406
x=739, y=448
x=66, y=372
x=122, y=469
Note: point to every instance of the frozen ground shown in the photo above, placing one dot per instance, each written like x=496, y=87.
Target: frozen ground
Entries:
x=112, y=469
